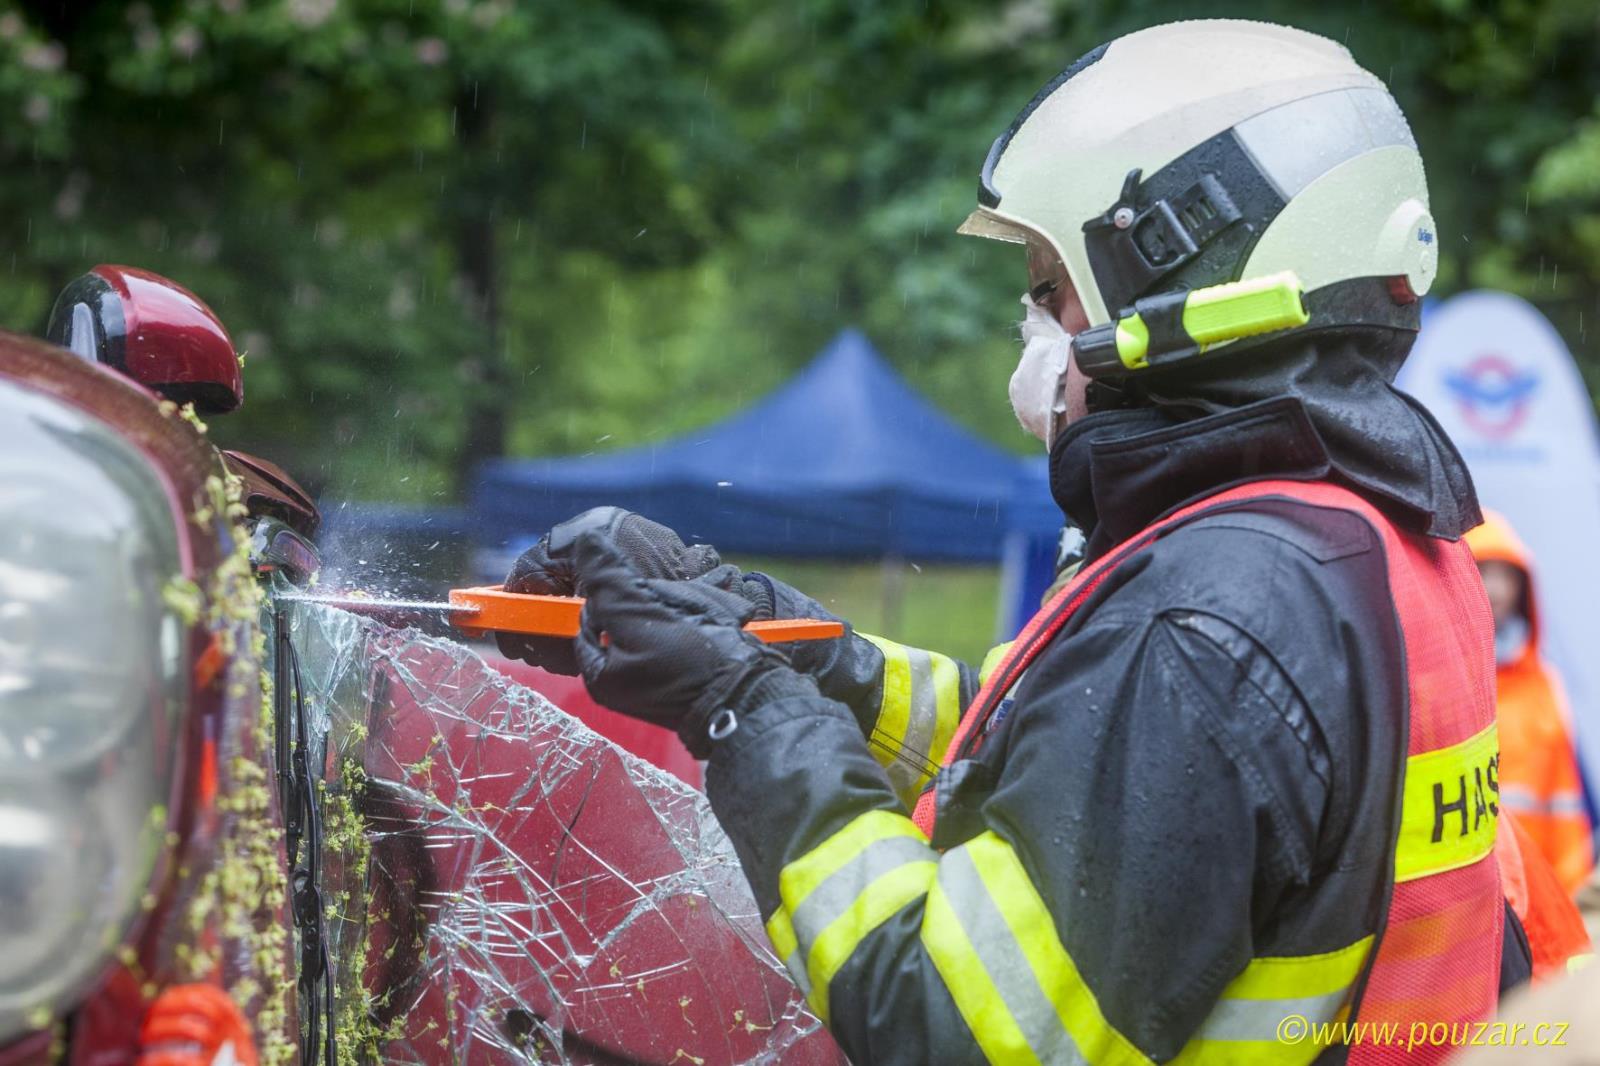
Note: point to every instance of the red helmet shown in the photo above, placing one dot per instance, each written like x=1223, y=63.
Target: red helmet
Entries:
x=153, y=330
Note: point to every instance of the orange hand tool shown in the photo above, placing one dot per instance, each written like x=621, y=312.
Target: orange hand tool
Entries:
x=492, y=608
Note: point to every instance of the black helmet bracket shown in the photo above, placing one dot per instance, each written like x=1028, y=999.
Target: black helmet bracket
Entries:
x=1189, y=225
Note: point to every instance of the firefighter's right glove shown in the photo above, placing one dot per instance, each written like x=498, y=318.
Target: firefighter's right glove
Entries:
x=849, y=669
x=673, y=652
x=550, y=569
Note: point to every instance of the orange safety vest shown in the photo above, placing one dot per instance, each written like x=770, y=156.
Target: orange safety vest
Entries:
x=1437, y=958
x=1556, y=933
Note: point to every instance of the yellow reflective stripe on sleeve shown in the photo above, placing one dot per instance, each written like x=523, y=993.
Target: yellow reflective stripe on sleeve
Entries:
x=947, y=707
x=982, y=1007
x=917, y=716
x=781, y=932
x=994, y=943
x=876, y=902
x=1297, y=976
x=1244, y=1026
x=993, y=660
x=894, y=708
x=801, y=877
x=1449, y=807
x=843, y=889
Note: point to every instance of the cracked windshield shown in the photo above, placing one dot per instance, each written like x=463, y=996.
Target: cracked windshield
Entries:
x=1038, y=531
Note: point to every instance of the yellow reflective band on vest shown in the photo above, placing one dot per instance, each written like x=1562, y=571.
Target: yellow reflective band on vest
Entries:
x=1244, y=1026
x=1450, y=807
x=843, y=889
x=920, y=710
x=993, y=941
x=992, y=661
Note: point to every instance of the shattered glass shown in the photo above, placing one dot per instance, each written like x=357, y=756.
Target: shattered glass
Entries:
x=502, y=884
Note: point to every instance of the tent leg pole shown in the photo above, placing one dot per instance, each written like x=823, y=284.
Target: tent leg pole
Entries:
x=894, y=588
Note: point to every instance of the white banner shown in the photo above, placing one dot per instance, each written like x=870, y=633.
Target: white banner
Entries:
x=1501, y=381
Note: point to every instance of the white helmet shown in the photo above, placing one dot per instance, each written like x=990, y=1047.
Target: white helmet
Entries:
x=1199, y=153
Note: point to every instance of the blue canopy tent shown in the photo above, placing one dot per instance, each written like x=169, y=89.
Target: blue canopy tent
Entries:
x=846, y=460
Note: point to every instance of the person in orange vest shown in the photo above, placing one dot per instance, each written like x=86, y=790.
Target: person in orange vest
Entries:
x=1539, y=778
x=1234, y=785
x=1558, y=941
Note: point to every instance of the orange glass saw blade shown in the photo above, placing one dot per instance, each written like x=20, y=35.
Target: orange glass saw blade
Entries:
x=495, y=609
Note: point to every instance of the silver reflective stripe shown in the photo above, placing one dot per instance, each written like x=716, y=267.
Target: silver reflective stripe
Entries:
x=1526, y=801
x=1002, y=957
x=796, y=965
x=1518, y=798
x=1259, y=1019
x=1297, y=143
x=1566, y=803
x=840, y=889
x=924, y=702
x=906, y=774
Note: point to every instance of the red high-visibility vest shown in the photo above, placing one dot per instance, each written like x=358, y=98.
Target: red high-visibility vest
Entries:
x=1437, y=959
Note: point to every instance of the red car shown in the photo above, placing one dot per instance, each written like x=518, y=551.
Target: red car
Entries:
x=238, y=828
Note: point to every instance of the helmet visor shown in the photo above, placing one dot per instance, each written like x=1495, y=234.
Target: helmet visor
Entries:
x=984, y=222
x=1047, y=274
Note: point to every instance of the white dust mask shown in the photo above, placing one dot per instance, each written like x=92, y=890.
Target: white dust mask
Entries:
x=1038, y=387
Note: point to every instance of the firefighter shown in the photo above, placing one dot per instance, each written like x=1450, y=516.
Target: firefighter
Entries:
x=1539, y=779
x=1237, y=779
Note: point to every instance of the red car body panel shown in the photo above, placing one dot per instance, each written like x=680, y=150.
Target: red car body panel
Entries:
x=656, y=745
x=508, y=879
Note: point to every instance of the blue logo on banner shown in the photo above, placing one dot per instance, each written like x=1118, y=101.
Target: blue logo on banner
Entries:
x=1493, y=394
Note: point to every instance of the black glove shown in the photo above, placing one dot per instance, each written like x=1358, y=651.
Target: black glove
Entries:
x=672, y=652
x=549, y=569
x=849, y=669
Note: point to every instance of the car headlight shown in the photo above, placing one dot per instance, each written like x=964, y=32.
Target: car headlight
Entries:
x=92, y=685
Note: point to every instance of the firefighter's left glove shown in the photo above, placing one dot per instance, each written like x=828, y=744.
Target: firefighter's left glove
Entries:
x=673, y=652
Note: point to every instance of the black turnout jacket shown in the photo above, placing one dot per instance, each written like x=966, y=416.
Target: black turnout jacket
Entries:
x=1199, y=771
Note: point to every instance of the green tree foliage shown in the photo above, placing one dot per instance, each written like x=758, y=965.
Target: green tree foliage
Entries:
x=442, y=229
x=345, y=184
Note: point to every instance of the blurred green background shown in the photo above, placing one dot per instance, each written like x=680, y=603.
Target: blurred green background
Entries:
x=449, y=229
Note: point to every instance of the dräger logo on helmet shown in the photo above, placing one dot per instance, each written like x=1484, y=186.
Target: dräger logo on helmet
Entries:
x=1493, y=394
